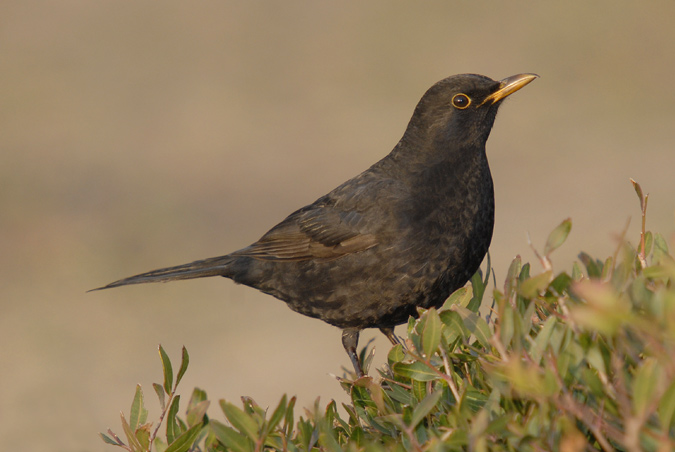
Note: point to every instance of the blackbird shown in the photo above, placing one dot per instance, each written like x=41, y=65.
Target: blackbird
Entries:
x=403, y=234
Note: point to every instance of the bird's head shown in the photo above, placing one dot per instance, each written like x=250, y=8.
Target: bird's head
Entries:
x=458, y=112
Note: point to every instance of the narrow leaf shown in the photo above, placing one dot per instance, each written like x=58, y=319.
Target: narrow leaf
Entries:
x=396, y=354
x=476, y=325
x=542, y=340
x=327, y=439
x=478, y=288
x=416, y=371
x=143, y=436
x=424, y=407
x=461, y=296
x=289, y=417
x=512, y=277
x=131, y=437
x=172, y=427
x=108, y=439
x=419, y=391
x=558, y=236
x=159, y=390
x=231, y=438
x=277, y=416
x=168, y=371
x=240, y=420
x=185, y=440
x=185, y=360
x=661, y=250
x=647, y=379
x=532, y=287
x=196, y=413
x=198, y=395
x=431, y=333
x=649, y=242
x=454, y=326
x=666, y=408
x=159, y=445
x=138, y=413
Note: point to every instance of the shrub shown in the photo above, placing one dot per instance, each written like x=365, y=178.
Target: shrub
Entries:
x=569, y=361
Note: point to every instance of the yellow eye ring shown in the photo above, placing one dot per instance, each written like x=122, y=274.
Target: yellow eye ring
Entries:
x=461, y=101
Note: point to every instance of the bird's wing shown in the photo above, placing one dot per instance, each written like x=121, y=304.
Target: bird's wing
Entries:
x=317, y=232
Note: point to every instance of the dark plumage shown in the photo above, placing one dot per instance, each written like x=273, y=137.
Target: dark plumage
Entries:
x=403, y=234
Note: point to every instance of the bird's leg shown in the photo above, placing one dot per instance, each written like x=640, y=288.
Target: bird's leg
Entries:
x=389, y=332
x=350, y=339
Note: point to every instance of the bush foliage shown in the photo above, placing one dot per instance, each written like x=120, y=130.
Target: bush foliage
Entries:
x=569, y=361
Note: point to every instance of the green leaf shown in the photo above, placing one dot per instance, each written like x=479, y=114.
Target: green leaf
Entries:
x=131, y=435
x=454, y=325
x=327, y=439
x=431, y=332
x=159, y=390
x=240, y=420
x=419, y=390
x=109, y=440
x=558, y=236
x=593, y=267
x=416, y=371
x=541, y=342
x=185, y=360
x=276, y=417
x=605, y=310
x=159, y=445
x=607, y=269
x=562, y=282
x=461, y=296
x=289, y=418
x=531, y=288
x=172, y=427
x=143, y=436
x=196, y=413
x=396, y=354
x=231, y=438
x=424, y=407
x=649, y=241
x=595, y=359
x=524, y=272
x=577, y=273
x=512, y=277
x=168, y=371
x=666, y=408
x=186, y=439
x=507, y=325
x=477, y=325
x=660, y=250
x=662, y=272
x=478, y=289
x=646, y=381
x=138, y=413
x=198, y=395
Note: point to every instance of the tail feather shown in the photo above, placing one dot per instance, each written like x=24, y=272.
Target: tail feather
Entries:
x=215, y=266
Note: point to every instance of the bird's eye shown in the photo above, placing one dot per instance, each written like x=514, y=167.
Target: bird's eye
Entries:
x=461, y=101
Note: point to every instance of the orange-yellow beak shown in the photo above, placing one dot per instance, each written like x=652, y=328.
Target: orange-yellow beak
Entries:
x=509, y=86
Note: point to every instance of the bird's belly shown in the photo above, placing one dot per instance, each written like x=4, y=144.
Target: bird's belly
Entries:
x=370, y=289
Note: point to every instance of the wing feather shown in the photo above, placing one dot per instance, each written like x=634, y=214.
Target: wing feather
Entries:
x=316, y=232
x=348, y=220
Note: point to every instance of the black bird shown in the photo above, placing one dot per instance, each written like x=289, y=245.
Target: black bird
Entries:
x=403, y=234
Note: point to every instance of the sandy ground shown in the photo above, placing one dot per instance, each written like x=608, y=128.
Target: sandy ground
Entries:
x=139, y=134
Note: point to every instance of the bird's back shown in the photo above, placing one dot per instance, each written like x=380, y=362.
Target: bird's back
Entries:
x=423, y=235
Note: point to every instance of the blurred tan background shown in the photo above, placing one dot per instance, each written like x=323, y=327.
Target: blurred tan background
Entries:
x=140, y=134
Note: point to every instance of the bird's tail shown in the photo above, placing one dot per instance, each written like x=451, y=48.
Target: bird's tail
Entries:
x=215, y=266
